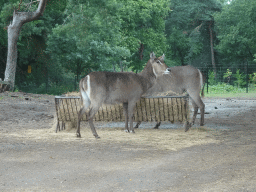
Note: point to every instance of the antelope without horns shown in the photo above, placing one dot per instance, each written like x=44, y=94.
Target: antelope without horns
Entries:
x=99, y=88
x=182, y=79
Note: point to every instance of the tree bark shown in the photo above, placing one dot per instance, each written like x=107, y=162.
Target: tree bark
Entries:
x=19, y=18
x=141, y=49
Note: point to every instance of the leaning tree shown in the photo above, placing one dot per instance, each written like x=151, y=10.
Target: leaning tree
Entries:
x=19, y=18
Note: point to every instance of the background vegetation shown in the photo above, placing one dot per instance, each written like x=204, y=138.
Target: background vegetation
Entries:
x=75, y=37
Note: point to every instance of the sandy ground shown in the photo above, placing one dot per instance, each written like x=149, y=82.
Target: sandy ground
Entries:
x=217, y=157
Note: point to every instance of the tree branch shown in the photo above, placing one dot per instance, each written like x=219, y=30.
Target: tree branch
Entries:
x=19, y=18
x=19, y=5
x=25, y=17
x=29, y=4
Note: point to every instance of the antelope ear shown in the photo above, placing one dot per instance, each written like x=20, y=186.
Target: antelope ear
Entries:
x=162, y=58
x=152, y=55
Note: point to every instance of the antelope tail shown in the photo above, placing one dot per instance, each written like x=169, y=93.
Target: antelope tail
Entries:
x=85, y=89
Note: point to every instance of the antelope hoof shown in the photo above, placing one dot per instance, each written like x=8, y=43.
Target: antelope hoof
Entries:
x=201, y=124
x=78, y=135
x=126, y=130
x=96, y=136
x=132, y=131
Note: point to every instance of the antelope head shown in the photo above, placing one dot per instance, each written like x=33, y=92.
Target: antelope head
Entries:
x=158, y=65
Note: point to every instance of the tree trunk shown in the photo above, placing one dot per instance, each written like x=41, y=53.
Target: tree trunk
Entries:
x=141, y=49
x=212, y=51
x=19, y=18
x=121, y=66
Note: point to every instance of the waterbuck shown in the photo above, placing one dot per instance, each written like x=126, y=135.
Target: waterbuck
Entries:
x=99, y=88
x=182, y=79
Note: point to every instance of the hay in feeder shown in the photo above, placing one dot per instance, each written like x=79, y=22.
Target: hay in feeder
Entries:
x=171, y=109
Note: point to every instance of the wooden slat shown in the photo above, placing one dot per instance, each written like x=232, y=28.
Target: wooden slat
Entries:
x=162, y=108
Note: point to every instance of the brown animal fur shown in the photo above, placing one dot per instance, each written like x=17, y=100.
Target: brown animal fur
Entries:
x=182, y=79
x=99, y=88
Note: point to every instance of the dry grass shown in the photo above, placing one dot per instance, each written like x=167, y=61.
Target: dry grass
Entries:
x=167, y=93
x=164, y=139
x=68, y=94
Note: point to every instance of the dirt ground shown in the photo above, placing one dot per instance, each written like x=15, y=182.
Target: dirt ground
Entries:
x=217, y=157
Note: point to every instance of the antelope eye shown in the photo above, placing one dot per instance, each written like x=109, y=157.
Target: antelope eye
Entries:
x=159, y=62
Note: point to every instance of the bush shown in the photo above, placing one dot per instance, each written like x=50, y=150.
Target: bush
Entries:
x=211, y=79
x=225, y=88
x=227, y=75
x=240, y=78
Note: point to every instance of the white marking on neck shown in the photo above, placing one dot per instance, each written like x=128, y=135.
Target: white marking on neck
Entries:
x=154, y=71
x=88, y=91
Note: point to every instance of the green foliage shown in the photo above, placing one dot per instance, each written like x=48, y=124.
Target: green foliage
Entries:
x=16, y=89
x=225, y=88
x=236, y=30
x=89, y=39
x=55, y=80
x=187, y=30
x=240, y=78
x=75, y=37
x=252, y=80
x=32, y=40
x=178, y=46
x=104, y=36
x=211, y=79
x=227, y=75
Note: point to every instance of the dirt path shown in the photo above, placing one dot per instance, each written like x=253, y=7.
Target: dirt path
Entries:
x=218, y=157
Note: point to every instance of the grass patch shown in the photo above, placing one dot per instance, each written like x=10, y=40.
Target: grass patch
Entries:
x=226, y=90
x=251, y=94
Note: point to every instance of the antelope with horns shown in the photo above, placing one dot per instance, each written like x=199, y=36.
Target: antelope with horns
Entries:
x=182, y=79
x=99, y=88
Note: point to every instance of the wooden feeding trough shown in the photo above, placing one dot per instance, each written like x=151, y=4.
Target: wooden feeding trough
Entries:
x=157, y=108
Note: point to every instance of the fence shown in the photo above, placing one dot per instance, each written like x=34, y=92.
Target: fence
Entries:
x=57, y=84
x=243, y=78
x=161, y=108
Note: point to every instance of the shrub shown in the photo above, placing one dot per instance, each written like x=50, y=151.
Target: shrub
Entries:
x=225, y=88
x=240, y=78
x=211, y=79
x=227, y=75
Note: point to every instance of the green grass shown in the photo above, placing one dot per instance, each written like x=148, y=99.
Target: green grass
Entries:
x=241, y=95
x=226, y=90
x=53, y=89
